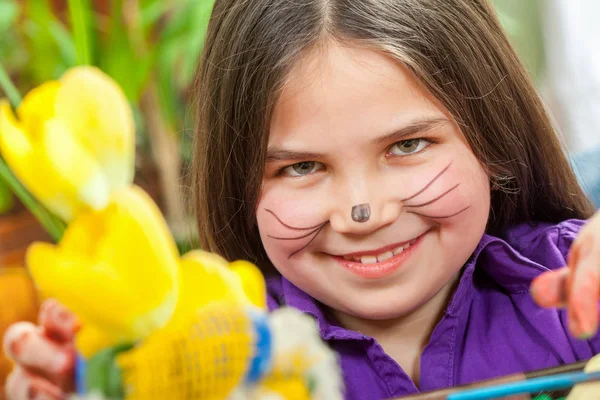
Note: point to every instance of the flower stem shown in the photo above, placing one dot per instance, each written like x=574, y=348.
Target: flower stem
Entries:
x=51, y=223
x=9, y=88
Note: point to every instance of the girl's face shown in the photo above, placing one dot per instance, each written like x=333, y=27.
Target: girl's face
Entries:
x=353, y=127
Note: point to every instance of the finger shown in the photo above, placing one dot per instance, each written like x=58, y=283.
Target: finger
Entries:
x=584, y=263
x=549, y=288
x=58, y=322
x=24, y=343
x=21, y=385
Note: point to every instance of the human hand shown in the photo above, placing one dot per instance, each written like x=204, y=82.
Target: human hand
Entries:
x=44, y=355
x=577, y=286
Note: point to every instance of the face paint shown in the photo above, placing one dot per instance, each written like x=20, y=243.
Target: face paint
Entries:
x=312, y=231
x=428, y=202
x=361, y=212
x=431, y=182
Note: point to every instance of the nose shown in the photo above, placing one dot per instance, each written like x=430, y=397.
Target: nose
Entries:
x=363, y=207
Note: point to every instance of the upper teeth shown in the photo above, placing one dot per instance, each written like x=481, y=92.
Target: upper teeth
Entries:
x=380, y=257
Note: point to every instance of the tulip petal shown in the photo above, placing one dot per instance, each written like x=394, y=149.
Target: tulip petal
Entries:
x=68, y=277
x=28, y=165
x=252, y=281
x=38, y=107
x=53, y=167
x=205, y=278
x=97, y=111
x=15, y=146
x=120, y=259
x=79, y=174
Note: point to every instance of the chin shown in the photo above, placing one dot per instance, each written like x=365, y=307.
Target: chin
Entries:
x=378, y=307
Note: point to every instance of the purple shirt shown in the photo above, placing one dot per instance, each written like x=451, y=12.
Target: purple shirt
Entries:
x=491, y=327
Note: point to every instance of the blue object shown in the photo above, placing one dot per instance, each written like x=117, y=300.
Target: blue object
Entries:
x=80, y=372
x=535, y=385
x=587, y=169
x=263, y=346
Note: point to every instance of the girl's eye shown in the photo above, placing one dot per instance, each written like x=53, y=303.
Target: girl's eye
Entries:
x=407, y=147
x=303, y=168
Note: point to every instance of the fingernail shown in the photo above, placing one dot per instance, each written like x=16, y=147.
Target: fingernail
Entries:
x=586, y=335
x=589, y=324
x=573, y=325
x=16, y=348
x=64, y=317
x=581, y=321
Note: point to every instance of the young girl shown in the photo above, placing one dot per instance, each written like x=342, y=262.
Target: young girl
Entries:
x=392, y=161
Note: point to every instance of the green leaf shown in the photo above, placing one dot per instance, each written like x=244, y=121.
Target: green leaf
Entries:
x=9, y=88
x=201, y=11
x=9, y=11
x=54, y=226
x=151, y=11
x=43, y=63
x=64, y=41
x=6, y=198
x=122, y=60
x=80, y=12
x=103, y=374
x=178, y=53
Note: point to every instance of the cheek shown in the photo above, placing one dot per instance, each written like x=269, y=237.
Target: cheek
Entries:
x=460, y=191
x=287, y=220
x=463, y=232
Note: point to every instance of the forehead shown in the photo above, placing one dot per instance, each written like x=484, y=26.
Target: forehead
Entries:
x=346, y=91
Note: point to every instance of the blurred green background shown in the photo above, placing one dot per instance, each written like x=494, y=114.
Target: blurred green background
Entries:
x=150, y=47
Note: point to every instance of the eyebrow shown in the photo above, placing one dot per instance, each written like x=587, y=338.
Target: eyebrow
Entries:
x=274, y=154
x=414, y=127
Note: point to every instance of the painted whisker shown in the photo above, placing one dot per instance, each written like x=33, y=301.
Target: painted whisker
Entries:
x=440, y=216
x=310, y=241
x=429, y=184
x=293, y=227
x=299, y=237
x=434, y=200
x=314, y=230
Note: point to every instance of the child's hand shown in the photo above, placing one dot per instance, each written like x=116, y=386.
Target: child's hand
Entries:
x=44, y=355
x=576, y=287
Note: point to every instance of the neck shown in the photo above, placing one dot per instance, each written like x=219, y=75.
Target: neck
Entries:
x=404, y=338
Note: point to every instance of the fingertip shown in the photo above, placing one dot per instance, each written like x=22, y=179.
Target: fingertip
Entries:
x=15, y=338
x=548, y=289
x=583, y=310
x=58, y=322
x=46, y=310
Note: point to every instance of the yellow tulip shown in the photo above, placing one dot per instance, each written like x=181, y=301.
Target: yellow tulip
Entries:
x=73, y=142
x=208, y=278
x=117, y=269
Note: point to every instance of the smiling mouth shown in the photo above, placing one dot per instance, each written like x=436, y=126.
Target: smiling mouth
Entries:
x=379, y=263
x=384, y=255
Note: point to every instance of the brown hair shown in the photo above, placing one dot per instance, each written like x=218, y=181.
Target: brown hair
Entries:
x=455, y=47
